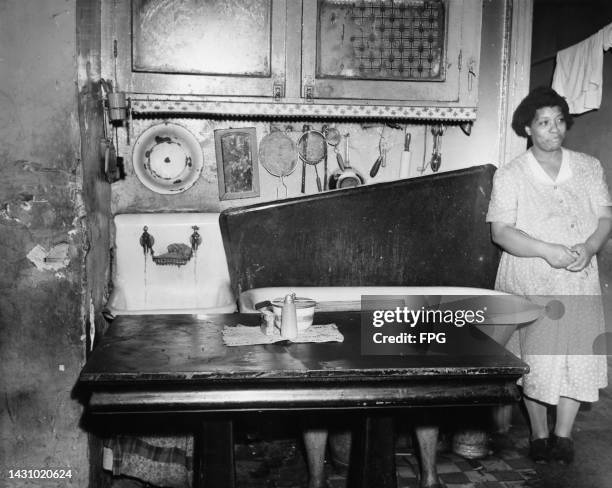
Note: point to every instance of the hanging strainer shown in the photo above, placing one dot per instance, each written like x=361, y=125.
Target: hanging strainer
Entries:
x=312, y=149
x=277, y=155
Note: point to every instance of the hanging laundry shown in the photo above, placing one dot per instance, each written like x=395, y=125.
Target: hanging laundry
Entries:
x=607, y=37
x=579, y=72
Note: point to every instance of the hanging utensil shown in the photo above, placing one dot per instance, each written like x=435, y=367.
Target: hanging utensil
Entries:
x=326, y=131
x=112, y=168
x=376, y=166
x=383, y=147
x=277, y=154
x=404, y=171
x=436, y=157
x=382, y=155
x=348, y=176
x=312, y=149
x=439, y=148
x=333, y=138
x=305, y=129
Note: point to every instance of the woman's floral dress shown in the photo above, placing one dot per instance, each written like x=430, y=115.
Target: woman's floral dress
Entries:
x=559, y=348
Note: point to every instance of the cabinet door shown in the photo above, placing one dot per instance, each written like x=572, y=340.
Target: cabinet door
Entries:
x=209, y=47
x=400, y=51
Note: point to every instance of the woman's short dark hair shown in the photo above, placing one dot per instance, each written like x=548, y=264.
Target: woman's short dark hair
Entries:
x=537, y=98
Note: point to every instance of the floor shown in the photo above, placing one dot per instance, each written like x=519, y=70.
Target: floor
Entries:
x=266, y=462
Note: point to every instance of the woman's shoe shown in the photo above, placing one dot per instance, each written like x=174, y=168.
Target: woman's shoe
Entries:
x=539, y=450
x=562, y=449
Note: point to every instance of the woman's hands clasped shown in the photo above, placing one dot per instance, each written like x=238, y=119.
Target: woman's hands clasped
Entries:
x=583, y=258
x=574, y=258
x=560, y=256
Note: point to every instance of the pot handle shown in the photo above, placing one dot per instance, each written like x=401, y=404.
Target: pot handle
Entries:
x=340, y=161
x=376, y=166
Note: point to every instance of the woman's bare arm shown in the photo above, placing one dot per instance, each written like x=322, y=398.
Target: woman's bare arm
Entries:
x=518, y=243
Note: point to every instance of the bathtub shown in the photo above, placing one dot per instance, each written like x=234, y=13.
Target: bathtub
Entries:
x=505, y=312
x=348, y=298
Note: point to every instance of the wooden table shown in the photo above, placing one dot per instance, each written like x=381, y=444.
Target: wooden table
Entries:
x=170, y=364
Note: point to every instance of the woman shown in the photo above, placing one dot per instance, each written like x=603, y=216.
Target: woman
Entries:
x=550, y=213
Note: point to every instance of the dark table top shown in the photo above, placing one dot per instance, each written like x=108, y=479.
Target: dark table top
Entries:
x=179, y=362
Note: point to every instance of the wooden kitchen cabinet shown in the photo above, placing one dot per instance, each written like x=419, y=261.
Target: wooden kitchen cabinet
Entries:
x=330, y=58
x=404, y=52
x=214, y=48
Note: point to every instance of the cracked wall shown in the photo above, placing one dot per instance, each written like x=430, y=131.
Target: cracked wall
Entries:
x=43, y=241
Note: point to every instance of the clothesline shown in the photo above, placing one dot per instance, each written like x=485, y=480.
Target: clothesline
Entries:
x=544, y=59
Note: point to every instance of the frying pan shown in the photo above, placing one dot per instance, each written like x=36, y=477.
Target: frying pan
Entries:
x=346, y=176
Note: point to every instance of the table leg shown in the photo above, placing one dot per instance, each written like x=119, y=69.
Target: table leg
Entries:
x=213, y=455
x=373, y=454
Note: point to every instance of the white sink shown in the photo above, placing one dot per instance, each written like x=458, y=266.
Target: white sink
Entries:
x=141, y=286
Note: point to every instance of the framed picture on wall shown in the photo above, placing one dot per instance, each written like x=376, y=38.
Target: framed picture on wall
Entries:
x=237, y=168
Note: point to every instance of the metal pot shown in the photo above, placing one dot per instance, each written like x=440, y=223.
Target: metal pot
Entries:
x=346, y=176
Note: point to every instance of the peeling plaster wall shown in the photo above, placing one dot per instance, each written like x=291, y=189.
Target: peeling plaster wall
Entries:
x=96, y=191
x=42, y=305
x=96, y=194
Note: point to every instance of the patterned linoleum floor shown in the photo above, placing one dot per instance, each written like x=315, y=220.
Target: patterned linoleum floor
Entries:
x=509, y=469
x=281, y=465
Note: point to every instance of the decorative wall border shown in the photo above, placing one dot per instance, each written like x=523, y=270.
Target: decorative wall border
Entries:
x=150, y=107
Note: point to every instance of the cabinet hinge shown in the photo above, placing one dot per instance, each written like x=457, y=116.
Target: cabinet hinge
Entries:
x=278, y=90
